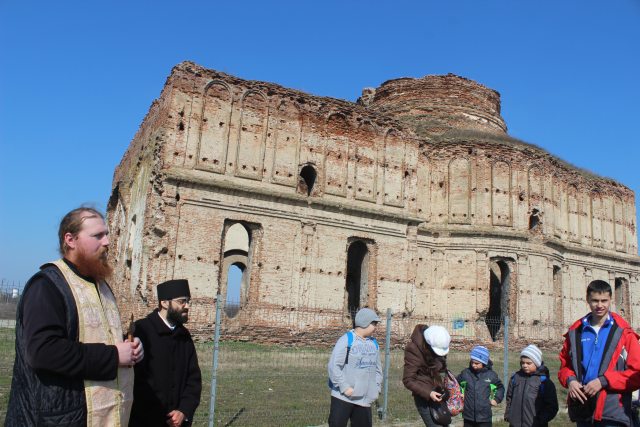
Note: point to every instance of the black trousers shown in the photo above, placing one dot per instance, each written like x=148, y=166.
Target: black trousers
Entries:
x=468, y=423
x=341, y=412
x=423, y=409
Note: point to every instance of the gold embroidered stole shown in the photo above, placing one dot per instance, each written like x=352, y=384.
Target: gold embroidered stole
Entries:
x=108, y=402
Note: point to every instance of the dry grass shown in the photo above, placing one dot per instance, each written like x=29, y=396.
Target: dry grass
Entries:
x=271, y=386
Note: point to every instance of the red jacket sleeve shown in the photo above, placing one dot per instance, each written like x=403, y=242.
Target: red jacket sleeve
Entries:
x=628, y=380
x=566, y=365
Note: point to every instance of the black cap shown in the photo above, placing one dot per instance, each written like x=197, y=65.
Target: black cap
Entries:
x=173, y=289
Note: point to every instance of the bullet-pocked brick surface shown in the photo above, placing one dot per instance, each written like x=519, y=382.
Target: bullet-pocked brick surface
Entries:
x=415, y=196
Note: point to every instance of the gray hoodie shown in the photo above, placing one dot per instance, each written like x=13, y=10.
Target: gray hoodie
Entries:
x=363, y=370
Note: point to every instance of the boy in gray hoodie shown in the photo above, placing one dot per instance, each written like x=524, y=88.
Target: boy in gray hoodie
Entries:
x=355, y=373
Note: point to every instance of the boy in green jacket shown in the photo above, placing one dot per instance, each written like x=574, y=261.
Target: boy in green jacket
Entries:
x=482, y=389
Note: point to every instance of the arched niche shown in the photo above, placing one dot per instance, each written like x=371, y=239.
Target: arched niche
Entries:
x=597, y=217
x=585, y=213
x=424, y=187
x=286, y=151
x=394, y=152
x=366, y=160
x=536, y=190
x=558, y=224
x=622, y=300
x=213, y=139
x=336, y=154
x=459, y=190
x=252, y=135
x=618, y=223
x=117, y=217
x=573, y=212
x=536, y=197
x=557, y=294
x=501, y=199
x=131, y=238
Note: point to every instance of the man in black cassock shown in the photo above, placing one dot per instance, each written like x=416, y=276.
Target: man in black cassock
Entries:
x=168, y=381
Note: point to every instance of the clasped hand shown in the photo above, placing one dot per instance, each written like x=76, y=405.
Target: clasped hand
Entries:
x=577, y=391
x=175, y=418
x=130, y=353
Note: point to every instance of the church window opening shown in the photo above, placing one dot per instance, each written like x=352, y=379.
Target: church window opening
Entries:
x=498, y=297
x=534, y=219
x=236, y=271
x=357, y=276
x=234, y=288
x=308, y=177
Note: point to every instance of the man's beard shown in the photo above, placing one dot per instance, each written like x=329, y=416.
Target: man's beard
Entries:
x=96, y=267
x=178, y=315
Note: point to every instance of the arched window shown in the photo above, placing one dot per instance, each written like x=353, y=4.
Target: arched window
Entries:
x=498, y=297
x=357, y=276
x=308, y=177
x=234, y=288
x=236, y=275
x=534, y=219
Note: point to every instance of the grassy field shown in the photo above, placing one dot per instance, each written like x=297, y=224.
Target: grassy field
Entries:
x=7, y=354
x=272, y=386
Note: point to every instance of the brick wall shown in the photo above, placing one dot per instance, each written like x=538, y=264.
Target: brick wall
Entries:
x=436, y=210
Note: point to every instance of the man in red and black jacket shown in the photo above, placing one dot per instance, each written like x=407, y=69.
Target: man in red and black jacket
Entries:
x=600, y=364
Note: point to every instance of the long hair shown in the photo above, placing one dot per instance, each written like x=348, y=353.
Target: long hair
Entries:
x=431, y=361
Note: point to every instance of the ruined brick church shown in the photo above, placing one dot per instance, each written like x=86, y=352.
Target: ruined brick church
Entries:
x=413, y=198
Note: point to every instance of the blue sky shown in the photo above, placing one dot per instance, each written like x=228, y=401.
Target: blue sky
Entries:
x=77, y=78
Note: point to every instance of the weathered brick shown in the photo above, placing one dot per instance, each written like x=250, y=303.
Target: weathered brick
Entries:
x=420, y=171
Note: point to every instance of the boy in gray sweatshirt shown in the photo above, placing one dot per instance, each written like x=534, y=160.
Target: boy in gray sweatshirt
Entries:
x=355, y=373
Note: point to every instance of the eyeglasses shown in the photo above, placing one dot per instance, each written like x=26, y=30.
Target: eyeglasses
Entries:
x=182, y=301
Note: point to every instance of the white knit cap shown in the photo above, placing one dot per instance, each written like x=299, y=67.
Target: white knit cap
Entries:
x=533, y=353
x=438, y=338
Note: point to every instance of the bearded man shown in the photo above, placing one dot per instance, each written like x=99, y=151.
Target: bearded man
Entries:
x=168, y=382
x=72, y=367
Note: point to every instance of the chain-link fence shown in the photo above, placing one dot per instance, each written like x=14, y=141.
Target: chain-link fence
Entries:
x=9, y=296
x=271, y=366
x=280, y=378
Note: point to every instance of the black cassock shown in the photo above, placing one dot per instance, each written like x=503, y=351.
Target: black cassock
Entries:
x=168, y=378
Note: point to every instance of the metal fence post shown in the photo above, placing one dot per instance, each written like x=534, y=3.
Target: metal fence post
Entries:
x=506, y=351
x=387, y=344
x=214, y=363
